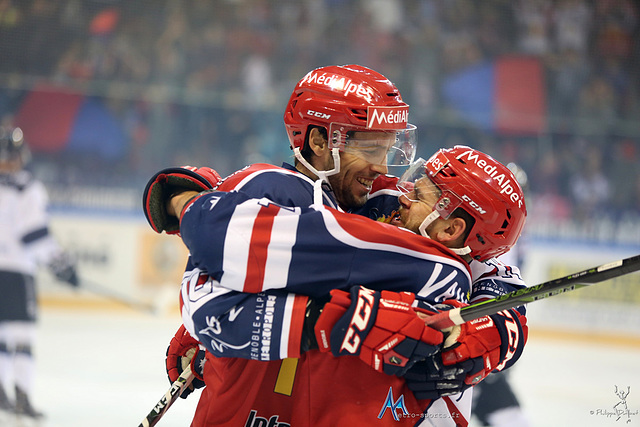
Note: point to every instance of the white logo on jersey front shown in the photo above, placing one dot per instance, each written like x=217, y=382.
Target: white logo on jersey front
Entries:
x=214, y=328
x=234, y=312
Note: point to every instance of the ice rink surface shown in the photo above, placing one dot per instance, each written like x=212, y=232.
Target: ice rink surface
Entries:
x=105, y=367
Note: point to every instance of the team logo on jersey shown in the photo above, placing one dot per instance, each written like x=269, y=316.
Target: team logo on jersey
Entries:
x=389, y=403
x=213, y=329
x=255, y=421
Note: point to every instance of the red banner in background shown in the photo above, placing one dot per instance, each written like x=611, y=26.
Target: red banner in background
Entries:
x=47, y=116
x=56, y=120
x=506, y=96
x=519, y=97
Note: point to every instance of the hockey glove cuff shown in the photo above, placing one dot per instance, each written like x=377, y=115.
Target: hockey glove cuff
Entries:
x=185, y=351
x=492, y=342
x=165, y=184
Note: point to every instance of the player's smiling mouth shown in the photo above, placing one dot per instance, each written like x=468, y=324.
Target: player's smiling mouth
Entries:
x=367, y=183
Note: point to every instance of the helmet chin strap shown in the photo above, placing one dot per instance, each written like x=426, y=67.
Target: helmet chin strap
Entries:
x=322, y=175
x=335, y=153
x=461, y=251
x=423, y=232
x=426, y=222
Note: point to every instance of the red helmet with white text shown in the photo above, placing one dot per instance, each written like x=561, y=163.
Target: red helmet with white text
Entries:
x=348, y=98
x=485, y=188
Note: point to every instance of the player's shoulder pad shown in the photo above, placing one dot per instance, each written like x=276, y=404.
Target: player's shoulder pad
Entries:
x=242, y=177
x=494, y=269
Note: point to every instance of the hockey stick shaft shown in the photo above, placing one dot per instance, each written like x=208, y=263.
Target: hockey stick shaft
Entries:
x=108, y=293
x=184, y=380
x=544, y=290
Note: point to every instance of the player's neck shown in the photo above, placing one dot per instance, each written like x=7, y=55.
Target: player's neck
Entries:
x=305, y=171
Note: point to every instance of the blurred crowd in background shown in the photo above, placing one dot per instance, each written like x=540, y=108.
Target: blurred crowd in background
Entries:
x=205, y=83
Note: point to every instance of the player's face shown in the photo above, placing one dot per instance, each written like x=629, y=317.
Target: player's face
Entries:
x=360, y=165
x=417, y=204
x=370, y=146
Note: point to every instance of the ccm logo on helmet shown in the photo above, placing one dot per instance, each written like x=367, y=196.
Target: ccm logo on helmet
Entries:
x=491, y=169
x=473, y=204
x=318, y=114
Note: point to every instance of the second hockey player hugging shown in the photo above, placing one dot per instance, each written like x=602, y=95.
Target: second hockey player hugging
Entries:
x=343, y=342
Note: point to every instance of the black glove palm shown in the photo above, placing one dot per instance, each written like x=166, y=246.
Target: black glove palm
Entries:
x=431, y=379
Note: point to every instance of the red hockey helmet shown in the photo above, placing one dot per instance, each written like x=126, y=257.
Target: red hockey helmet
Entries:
x=485, y=188
x=350, y=98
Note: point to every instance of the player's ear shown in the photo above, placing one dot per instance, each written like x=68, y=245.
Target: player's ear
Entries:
x=317, y=143
x=452, y=234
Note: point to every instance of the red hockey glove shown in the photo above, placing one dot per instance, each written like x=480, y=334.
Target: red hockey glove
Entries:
x=471, y=351
x=183, y=351
x=496, y=340
x=380, y=327
x=166, y=183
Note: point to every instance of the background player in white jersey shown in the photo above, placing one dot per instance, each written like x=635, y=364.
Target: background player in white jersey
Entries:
x=25, y=245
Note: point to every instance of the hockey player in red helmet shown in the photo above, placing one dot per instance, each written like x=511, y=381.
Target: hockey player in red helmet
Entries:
x=448, y=199
x=345, y=125
x=340, y=136
x=464, y=182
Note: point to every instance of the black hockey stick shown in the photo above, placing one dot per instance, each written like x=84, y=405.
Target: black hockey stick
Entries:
x=176, y=389
x=458, y=316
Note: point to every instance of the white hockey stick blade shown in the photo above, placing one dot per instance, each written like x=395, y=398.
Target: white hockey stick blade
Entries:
x=184, y=380
x=523, y=296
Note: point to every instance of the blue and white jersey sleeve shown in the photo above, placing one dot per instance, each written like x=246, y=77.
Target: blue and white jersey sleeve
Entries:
x=492, y=278
x=254, y=246
x=262, y=326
